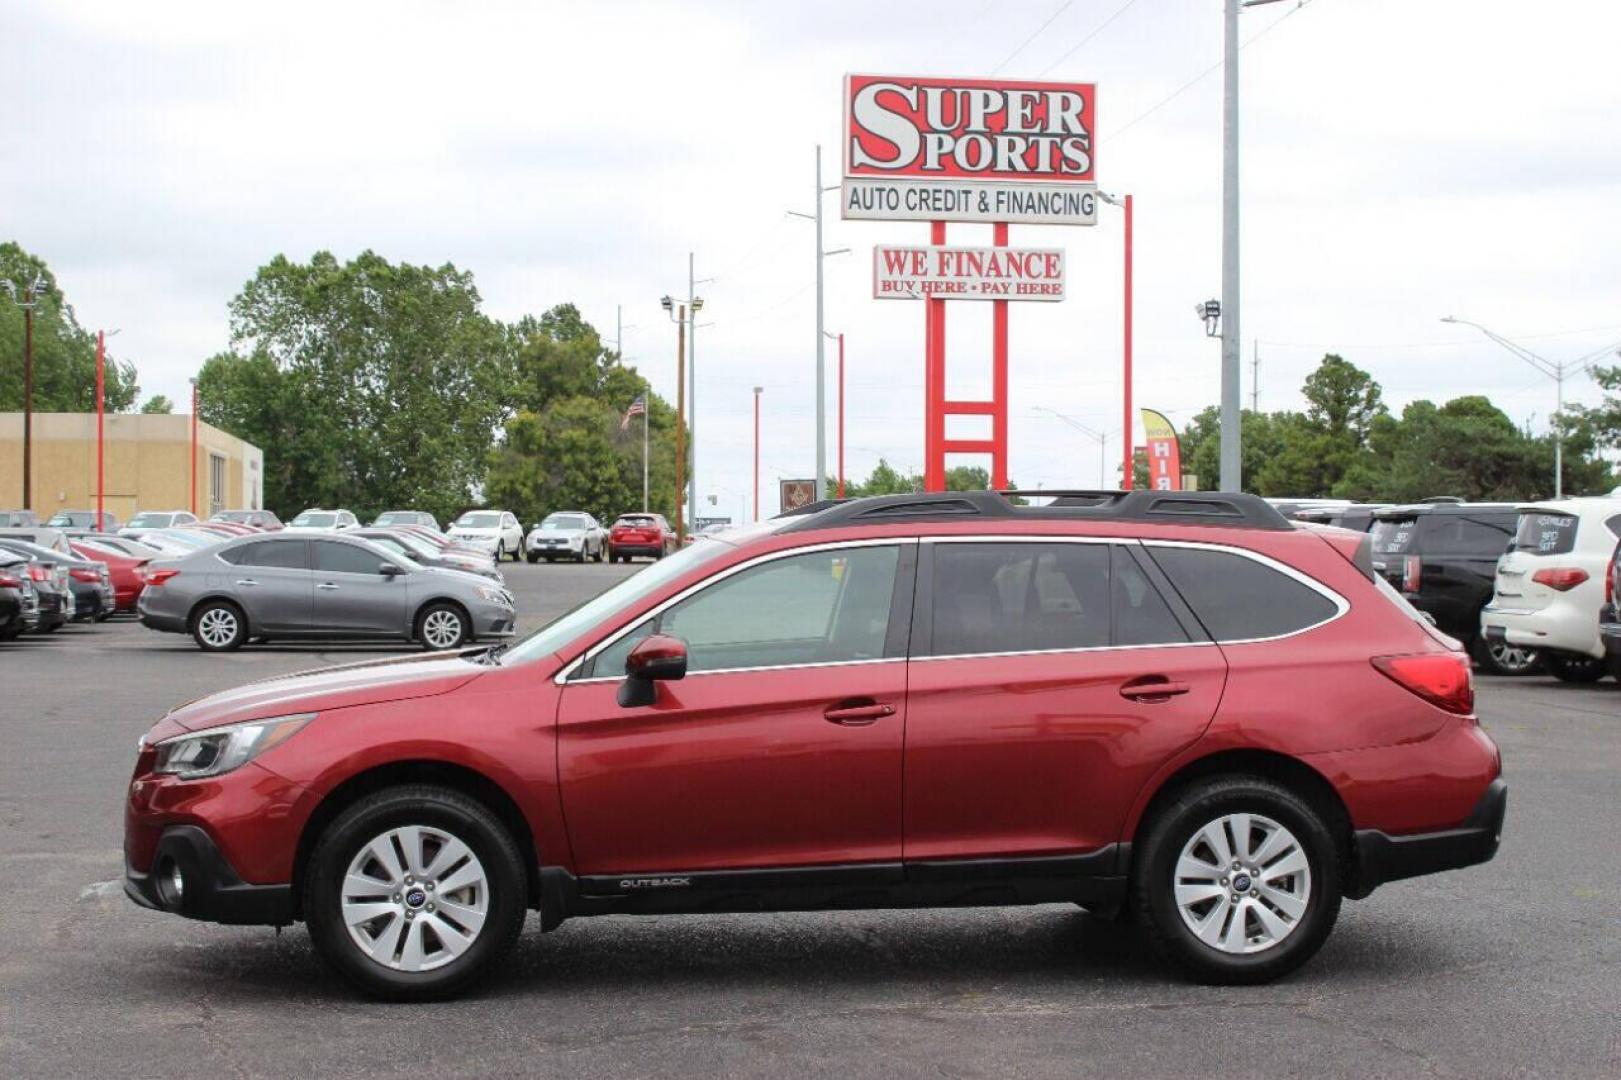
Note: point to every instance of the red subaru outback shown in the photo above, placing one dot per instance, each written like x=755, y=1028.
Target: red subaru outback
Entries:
x=1178, y=706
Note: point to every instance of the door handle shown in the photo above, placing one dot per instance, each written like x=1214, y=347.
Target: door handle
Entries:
x=247, y=582
x=1153, y=688
x=326, y=585
x=857, y=713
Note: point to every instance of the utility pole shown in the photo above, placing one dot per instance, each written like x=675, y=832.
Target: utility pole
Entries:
x=757, y=390
x=1555, y=370
x=194, y=447
x=1255, y=379
x=30, y=301
x=101, y=472
x=681, y=411
x=692, y=388
x=1231, y=436
x=821, y=360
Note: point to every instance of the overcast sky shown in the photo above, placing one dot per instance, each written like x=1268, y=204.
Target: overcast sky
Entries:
x=1402, y=160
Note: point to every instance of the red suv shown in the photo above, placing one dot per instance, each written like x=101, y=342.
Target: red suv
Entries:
x=1180, y=706
x=640, y=534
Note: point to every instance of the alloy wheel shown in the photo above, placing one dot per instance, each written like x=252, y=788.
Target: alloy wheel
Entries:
x=442, y=628
x=1242, y=883
x=217, y=627
x=415, y=898
x=1511, y=659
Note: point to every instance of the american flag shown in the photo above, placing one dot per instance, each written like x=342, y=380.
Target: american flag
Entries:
x=637, y=408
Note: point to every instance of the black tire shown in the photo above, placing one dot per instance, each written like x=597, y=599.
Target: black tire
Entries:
x=440, y=611
x=440, y=809
x=1574, y=669
x=599, y=555
x=580, y=558
x=1505, y=659
x=1154, y=877
x=219, y=626
x=533, y=558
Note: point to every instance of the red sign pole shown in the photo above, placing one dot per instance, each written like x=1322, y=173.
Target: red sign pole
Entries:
x=1129, y=465
x=101, y=474
x=934, y=461
x=194, y=447
x=999, y=386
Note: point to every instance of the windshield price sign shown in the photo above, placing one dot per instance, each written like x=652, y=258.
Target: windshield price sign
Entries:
x=985, y=150
x=967, y=273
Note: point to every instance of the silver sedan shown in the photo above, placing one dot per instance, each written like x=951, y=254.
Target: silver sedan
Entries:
x=290, y=586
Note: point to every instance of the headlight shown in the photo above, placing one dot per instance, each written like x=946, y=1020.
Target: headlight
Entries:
x=495, y=596
x=219, y=750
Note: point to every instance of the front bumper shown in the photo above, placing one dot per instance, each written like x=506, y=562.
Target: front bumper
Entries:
x=1378, y=858
x=211, y=889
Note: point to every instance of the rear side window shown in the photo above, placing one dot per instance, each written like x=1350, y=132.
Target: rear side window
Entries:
x=275, y=554
x=1141, y=615
x=1394, y=536
x=996, y=598
x=1546, y=534
x=1479, y=535
x=1238, y=598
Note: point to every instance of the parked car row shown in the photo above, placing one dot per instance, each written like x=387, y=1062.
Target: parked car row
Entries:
x=46, y=582
x=1524, y=586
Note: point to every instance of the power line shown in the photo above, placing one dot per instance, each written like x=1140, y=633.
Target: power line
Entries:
x=1061, y=9
x=1102, y=26
x=1179, y=91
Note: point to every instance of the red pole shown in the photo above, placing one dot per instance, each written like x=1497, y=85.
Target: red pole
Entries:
x=999, y=380
x=841, y=416
x=934, y=463
x=194, y=447
x=101, y=474
x=1130, y=459
x=757, y=456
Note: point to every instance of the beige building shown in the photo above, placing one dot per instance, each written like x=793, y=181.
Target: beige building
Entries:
x=147, y=465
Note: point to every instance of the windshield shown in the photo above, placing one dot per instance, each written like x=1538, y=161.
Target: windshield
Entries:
x=553, y=636
x=564, y=522
x=407, y=545
x=233, y=515
x=396, y=517
x=66, y=520
x=315, y=521
x=479, y=521
x=187, y=539
x=396, y=548
x=150, y=521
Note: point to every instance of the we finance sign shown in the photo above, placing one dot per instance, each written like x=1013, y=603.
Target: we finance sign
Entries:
x=967, y=273
x=980, y=150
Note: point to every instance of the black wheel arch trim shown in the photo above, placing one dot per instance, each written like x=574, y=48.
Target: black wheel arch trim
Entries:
x=1379, y=858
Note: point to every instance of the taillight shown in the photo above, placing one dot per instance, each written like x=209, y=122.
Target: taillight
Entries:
x=158, y=577
x=9, y=582
x=1560, y=578
x=1441, y=678
x=84, y=573
x=39, y=573
x=1412, y=573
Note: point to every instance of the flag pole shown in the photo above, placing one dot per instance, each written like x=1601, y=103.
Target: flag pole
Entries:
x=647, y=414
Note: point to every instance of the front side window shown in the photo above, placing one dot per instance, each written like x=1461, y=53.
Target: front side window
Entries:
x=1238, y=598
x=822, y=607
x=336, y=558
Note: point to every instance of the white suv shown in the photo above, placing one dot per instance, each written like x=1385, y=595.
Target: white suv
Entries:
x=1550, y=585
x=496, y=531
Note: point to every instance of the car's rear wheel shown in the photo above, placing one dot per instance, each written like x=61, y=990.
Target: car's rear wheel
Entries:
x=1237, y=881
x=533, y=558
x=1501, y=658
x=442, y=626
x=1574, y=669
x=415, y=892
x=219, y=626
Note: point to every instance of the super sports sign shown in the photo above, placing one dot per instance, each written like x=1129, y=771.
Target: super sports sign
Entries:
x=928, y=149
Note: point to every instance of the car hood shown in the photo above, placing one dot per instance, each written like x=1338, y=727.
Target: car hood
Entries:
x=369, y=682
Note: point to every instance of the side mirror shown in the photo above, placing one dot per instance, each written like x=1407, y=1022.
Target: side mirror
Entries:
x=657, y=657
x=389, y=569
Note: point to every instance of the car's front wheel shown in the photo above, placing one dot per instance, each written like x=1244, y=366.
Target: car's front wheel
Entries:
x=1237, y=881
x=1574, y=669
x=219, y=626
x=415, y=892
x=442, y=626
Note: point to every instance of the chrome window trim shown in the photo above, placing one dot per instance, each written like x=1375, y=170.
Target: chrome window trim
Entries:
x=562, y=677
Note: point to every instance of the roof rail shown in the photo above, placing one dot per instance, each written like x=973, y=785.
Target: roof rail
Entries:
x=1069, y=504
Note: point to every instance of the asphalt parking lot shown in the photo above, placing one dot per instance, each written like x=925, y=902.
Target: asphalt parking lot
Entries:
x=1513, y=968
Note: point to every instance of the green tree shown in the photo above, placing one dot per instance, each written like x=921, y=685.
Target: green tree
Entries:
x=64, y=353
x=884, y=479
x=369, y=384
x=158, y=404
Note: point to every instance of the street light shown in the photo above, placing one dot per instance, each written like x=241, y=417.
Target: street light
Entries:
x=1125, y=203
x=678, y=315
x=193, y=446
x=757, y=392
x=1555, y=370
x=30, y=301
x=839, y=337
x=1103, y=466
x=821, y=332
x=101, y=437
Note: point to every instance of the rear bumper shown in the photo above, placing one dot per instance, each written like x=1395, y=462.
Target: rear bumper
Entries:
x=1559, y=628
x=652, y=551
x=1379, y=858
x=211, y=889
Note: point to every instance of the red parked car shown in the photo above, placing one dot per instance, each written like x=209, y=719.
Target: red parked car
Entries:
x=126, y=571
x=1181, y=705
x=640, y=534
